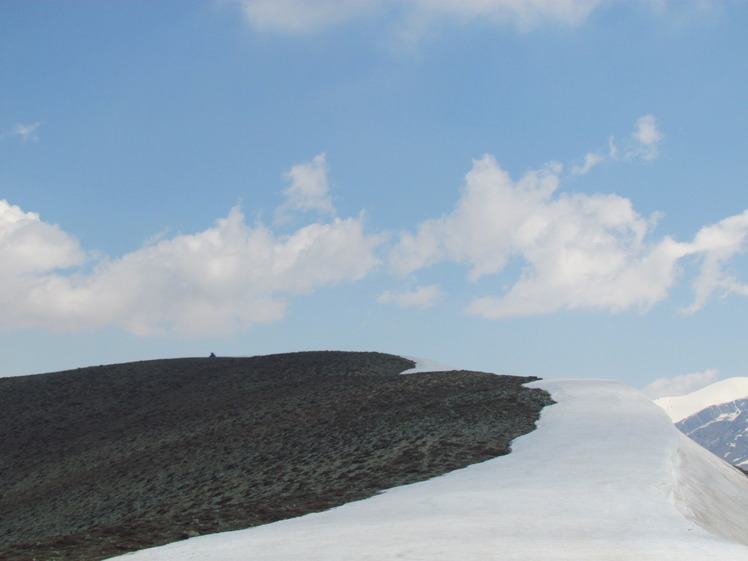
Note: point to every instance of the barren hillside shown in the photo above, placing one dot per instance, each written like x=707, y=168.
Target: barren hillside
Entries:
x=102, y=460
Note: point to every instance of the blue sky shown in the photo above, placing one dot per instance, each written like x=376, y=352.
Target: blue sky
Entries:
x=538, y=188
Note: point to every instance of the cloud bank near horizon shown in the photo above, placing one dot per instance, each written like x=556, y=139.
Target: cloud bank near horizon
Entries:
x=575, y=251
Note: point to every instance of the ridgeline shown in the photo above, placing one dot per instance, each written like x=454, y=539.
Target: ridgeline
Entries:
x=99, y=461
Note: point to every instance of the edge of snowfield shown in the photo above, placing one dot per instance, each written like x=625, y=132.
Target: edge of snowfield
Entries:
x=605, y=477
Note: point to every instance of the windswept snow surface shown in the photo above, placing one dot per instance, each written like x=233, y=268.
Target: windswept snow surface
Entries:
x=605, y=477
x=682, y=406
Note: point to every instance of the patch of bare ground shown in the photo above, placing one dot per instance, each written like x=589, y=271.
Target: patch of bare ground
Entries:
x=99, y=461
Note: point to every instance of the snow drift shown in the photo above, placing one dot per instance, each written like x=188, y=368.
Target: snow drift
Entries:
x=606, y=476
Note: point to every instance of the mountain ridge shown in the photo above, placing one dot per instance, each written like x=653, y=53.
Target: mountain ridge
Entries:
x=113, y=458
x=681, y=406
x=716, y=417
x=604, y=477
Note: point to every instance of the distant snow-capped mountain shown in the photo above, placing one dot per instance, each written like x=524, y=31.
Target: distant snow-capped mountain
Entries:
x=716, y=417
x=723, y=429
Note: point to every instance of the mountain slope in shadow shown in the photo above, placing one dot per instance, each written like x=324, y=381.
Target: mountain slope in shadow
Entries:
x=98, y=461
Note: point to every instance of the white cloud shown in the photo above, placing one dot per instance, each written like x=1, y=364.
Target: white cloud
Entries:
x=647, y=136
x=29, y=249
x=716, y=245
x=523, y=14
x=579, y=251
x=225, y=278
x=624, y=278
x=28, y=245
x=308, y=190
x=303, y=16
x=646, y=131
x=590, y=160
x=415, y=17
x=680, y=385
x=479, y=233
x=216, y=281
x=643, y=144
x=576, y=251
x=421, y=297
x=23, y=131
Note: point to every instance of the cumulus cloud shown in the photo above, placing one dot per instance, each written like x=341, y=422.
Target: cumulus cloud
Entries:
x=716, y=245
x=421, y=297
x=578, y=251
x=23, y=131
x=572, y=250
x=28, y=245
x=414, y=17
x=575, y=251
x=225, y=278
x=680, y=385
x=30, y=249
x=308, y=190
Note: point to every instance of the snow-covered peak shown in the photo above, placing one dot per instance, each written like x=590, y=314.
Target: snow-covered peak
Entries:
x=682, y=406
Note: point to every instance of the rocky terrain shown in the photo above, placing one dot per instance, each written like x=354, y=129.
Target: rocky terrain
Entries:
x=98, y=461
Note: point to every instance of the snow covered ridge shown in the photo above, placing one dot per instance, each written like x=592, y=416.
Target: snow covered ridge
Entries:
x=682, y=406
x=623, y=484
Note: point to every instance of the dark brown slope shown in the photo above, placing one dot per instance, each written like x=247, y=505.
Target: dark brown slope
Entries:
x=102, y=460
